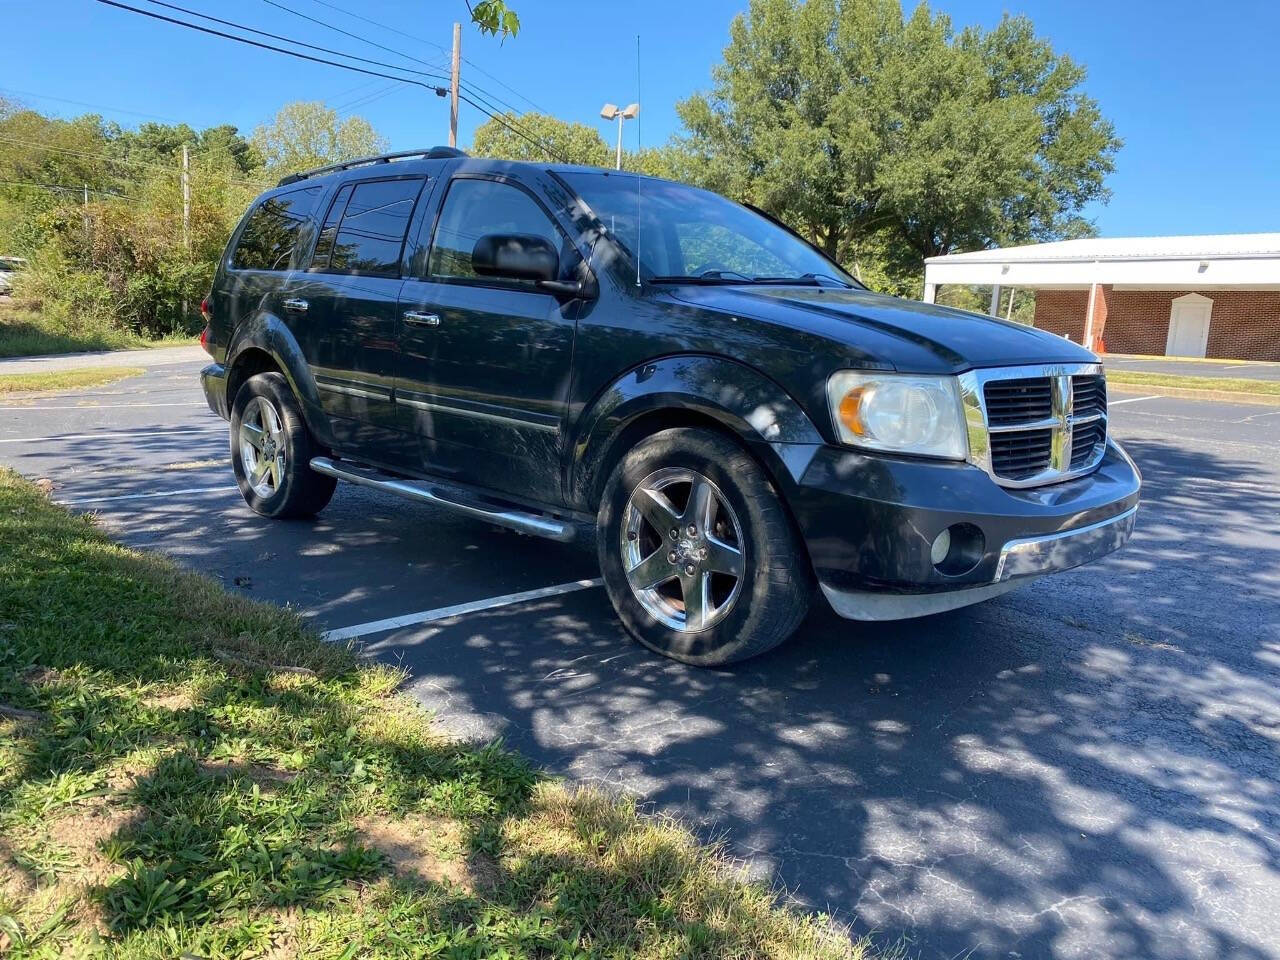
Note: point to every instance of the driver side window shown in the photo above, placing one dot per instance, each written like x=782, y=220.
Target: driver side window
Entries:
x=474, y=208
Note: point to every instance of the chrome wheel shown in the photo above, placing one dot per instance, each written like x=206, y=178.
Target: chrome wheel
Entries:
x=682, y=549
x=262, y=447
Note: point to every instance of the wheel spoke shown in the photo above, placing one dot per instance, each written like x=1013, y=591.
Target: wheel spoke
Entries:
x=702, y=501
x=260, y=469
x=253, y=434
x=656, y=508
x=277, y=470
x=723, y=558
x=651, y=571
x=696, y=602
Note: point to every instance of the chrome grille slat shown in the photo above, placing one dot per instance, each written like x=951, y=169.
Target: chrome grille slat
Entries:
x=1035, y=425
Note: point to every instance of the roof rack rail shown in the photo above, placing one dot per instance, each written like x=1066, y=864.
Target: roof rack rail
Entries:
x=430, y=153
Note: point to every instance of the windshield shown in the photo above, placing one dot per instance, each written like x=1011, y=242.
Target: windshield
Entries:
x=690, y=233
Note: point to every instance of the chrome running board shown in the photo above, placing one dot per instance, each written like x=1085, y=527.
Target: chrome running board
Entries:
x=425, y=491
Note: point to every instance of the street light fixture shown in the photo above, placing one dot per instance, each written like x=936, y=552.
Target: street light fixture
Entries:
x=611, y=111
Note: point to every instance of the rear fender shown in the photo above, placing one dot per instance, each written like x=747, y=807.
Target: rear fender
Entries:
x=267, y=332
x=689, y=389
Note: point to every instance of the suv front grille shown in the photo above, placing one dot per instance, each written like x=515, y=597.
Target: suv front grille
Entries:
x=1037, y=425
x=1018, y=401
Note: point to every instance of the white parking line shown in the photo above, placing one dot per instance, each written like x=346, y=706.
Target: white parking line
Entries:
x=150, y=496
x=457, y=610
x=165, y=432
x=102, y=406
x=1116, y=403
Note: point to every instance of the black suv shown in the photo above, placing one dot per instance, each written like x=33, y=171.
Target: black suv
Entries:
x=546, y=346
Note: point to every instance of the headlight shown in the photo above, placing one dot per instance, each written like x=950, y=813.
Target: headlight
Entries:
x=899, y=413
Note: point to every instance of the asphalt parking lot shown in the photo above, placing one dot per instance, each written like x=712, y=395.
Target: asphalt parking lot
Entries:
x=1088, y=767
x=1238, y=369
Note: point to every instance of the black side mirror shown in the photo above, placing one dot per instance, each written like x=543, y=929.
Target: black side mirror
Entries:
x=515, y=256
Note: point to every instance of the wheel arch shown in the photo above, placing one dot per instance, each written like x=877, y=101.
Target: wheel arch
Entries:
x=265, y=344
x=688, y=391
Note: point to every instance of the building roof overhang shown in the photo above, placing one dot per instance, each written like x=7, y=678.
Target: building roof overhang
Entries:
x=1238, y=261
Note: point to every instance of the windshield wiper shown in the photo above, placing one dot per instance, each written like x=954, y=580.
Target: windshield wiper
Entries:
x=733, y=277
x=805, y=279
x=711, y=278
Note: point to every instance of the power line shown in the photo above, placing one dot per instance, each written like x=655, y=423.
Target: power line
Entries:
x=120, y=160
x=267, y=46
x=69, y=189
x=347, y=33
x=443, y=49
x=91, y=106
x=441, y=91
x=299, y=43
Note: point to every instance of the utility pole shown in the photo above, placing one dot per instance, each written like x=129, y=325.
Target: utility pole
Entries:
x=453, y=85
x=186, y=211
x=186, y=198
x=86, y=219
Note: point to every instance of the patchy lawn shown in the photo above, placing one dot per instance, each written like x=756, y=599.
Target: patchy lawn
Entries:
x=188, y=772
x=64, y=379
x=28, y=333
x=1268, y=388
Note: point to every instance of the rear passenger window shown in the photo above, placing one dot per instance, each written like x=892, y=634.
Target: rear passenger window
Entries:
x=324, y=245
x=271, y=233
x=365, y=228
x=474, y=208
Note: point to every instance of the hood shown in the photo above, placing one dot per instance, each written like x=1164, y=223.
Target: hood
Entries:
x=910, y=336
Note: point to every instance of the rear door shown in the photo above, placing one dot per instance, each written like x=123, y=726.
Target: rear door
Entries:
x=264, y=254
x=342, y=308
x=485, y=363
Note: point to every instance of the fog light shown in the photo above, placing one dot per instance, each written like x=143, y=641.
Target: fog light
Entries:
x=957, y=549
x=941, y=547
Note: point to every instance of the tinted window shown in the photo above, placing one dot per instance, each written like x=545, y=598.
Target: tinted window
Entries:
x=268, y=239
x=474, y=208
x=324, y=245
x=680, y=230
x=371, y=233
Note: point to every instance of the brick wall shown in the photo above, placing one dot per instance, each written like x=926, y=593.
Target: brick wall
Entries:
x=1244, y=325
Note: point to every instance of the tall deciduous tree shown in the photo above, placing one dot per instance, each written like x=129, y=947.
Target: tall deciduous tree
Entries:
x=889, y=138
x=309, y=134
x=555, y=138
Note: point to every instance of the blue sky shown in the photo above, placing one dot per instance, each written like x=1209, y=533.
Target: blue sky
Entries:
x=1191, y=87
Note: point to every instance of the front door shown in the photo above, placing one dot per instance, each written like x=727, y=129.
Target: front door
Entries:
x=1189, y=326
x=346, y=300
x=485, y=363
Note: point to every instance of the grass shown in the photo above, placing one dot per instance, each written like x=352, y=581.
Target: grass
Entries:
x=64, y=379
x=27, y=333
x=1221, y=384
x=186, y=772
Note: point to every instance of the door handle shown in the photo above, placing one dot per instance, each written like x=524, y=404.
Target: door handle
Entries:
x=296, y=305
x=422, y=319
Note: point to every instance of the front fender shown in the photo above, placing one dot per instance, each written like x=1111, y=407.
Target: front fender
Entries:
x=268, y=333
x=740, y=398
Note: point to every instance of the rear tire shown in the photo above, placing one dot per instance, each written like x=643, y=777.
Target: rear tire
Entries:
x=271, y=451
x=739, y=583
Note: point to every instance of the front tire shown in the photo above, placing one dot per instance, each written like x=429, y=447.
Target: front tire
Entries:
x=271, y=451
x=700, y=559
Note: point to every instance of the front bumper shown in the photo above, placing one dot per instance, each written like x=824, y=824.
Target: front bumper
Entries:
x=213, y=379
x=870, y=522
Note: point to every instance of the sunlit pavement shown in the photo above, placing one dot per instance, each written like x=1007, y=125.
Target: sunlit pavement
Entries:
x=1088, y=767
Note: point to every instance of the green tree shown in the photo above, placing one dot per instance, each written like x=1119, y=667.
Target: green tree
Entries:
x=888, y=138
x=304, y=135
x=555, y=138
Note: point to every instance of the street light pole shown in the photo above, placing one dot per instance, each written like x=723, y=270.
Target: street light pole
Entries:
x=611, y=111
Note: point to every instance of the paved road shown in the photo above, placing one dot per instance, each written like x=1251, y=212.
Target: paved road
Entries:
x=1234, y=369
x=1089, y=767
x=150, y=357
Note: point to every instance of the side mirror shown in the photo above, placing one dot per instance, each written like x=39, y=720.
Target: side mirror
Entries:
x=515, y=256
